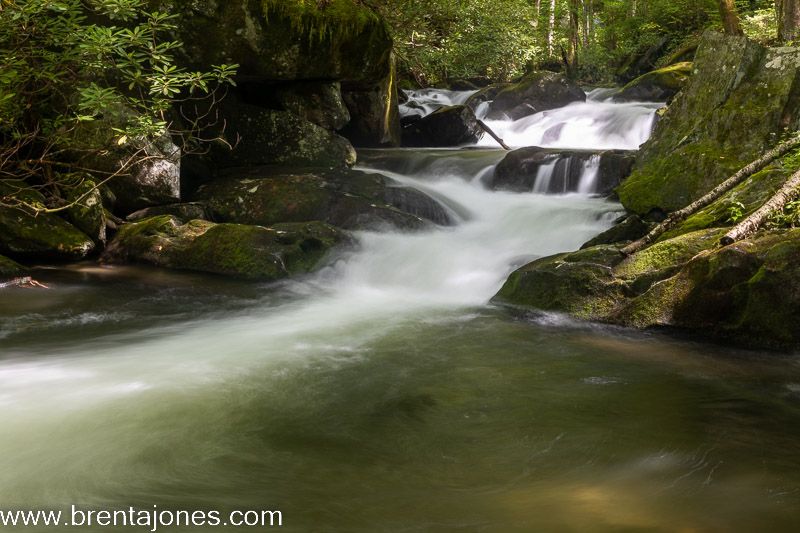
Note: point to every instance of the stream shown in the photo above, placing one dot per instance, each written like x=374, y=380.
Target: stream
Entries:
x=386, y=392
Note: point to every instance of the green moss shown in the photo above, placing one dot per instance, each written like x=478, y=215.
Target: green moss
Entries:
x=330, y=20
x=672, y=77
x=665, y=254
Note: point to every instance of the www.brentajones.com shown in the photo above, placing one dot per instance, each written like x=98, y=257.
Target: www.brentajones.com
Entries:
x=150, y=519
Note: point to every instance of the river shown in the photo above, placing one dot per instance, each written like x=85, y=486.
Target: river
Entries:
x=386, y=392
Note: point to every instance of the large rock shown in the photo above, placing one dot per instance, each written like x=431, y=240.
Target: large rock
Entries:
x=283, y=40
x=740, y=101
x=660, y=85
x=250, y=252
x=86, y=211
x=318, y=102
x=374, y=111
x=448, y=126
x=519, y=170
x=149, y=169
x=536, y=92
x=345, y=198
x=9, y=268
x=257, y=136
x=44, y=235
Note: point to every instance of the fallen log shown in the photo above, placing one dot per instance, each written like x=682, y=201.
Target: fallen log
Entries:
x=26, y=282
x=494, y=136
x=788, y=192
x=682, y=214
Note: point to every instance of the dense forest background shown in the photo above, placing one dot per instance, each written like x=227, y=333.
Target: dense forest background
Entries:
x=438, y=41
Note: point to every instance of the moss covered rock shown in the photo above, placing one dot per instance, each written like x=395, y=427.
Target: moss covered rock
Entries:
x=44, y=235
x=536, y=92
x=375, y=117
x=741, y=99
x=344, y=198
x=660, y=85
x=87, y=212
x=250, y=252
x=9, y=268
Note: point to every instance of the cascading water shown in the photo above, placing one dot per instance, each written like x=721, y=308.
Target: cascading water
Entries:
x=423, y=102
x=382, y=393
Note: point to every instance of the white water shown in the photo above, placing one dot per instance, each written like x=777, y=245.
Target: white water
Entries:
x=599, y=123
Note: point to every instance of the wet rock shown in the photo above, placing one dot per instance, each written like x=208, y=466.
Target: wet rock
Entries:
x=447, y=126
x=520, y=169
x=184, y=212
x=536, y=92
x=344, y=198
x=250, y=252
x=660, y=85
x=374, y=108
x=45, y=235
x=485, y=94
x=630, y=229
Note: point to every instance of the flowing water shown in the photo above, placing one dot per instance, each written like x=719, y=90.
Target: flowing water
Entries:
x=385, y=393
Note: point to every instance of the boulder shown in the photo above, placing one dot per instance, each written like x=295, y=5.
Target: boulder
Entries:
x=250, y=252
x=185, y=212
x=149, y=169
x=660, y=85
x=43, y=235
x=345, y=198
x=257, y=136
x=283, y=40
x=740, y=101
x=10, y=269
x=486, y=94
x=519, y=170
x=87, y=212
x=628, y=229
x=375, y=112
x=534, y=93
x=318, y=102
x=448, y=126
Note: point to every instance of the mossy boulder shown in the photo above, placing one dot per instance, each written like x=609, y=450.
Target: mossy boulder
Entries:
x=284, y=40
x=536, y=92
x=630, y=228
x=86, y=211
x=345, y=198
x=581, y=284
x=184, y=211
x=257, y=136
x=242, y=251
x=149, y=169
x=9, y=268
x=660, y=85
x=447, y=126
x=740, y=100
x=375, y=114
x=24, y=234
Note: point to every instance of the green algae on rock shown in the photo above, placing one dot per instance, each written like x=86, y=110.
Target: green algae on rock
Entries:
x=237, y=250
x=659, y=85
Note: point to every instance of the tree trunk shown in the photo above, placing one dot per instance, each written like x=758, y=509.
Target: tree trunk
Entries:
x=551, y=29
x=574, y=35
x=788, y=12
x=730, y=18
x=679, y=216
x=788, y=192
x=538, y=13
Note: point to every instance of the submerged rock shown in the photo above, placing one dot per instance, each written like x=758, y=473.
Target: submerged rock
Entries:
x=250, y=252
x=448, y=126
x=345, y=198
x=536, y=92
x=660, y=85
x=44, y=235
x=520, y=170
